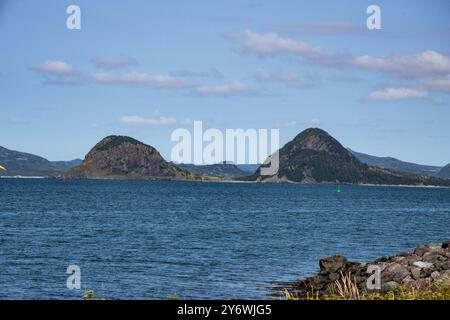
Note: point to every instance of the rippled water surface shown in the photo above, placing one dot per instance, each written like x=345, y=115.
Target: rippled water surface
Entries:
x=150, y=239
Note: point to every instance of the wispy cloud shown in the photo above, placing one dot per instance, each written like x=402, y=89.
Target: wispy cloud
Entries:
x=114, y=63
x=213, y=73
x=74, y=80
x=425, y=64
x=289, y=79
x=321, y=28
x=428, y=63
x=54, y=67
x=396, y=94
x=307, y=122
x=346, y=78
x=226, y=90
x=271, y=44
x=139, y=79
x=438, y=84
x=57, y=72
x=142, y=121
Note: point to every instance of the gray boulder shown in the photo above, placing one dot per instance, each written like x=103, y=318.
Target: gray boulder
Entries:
x=332, y=264
x=390, y=286
x=421, y=264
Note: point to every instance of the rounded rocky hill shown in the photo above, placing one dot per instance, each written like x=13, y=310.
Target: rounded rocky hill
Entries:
x=121, y=157
x=314, y=156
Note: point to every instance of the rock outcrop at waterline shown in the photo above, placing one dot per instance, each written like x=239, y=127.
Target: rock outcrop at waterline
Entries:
x=121, y=157
x=314, y=156
x=422, y=269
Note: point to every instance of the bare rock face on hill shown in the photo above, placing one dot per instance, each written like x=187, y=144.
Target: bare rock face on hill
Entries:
x=121, y=157
x=314, y=156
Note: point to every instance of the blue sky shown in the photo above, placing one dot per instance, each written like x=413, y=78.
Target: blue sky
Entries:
x=143, y=69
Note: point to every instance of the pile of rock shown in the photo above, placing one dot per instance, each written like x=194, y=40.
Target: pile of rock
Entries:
x=422, y=269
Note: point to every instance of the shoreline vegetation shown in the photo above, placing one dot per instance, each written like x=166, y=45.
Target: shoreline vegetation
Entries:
x=423, y=274
x=225, y=180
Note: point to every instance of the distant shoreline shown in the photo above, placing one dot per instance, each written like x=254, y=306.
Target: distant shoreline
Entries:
x=24, y=177
x=340, y=184
x=221, y=180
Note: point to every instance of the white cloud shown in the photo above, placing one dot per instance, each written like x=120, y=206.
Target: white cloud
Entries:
x=65, y=80
x=270, y=44
x=113, y=63
x=213, y=73
x=438, y=84
x=53, y=67
x=138, y=79
x=425, y=64
x=138, y=120
x=396, y=94
x=321, y=28
x=57, y=73
x=235, y=88
x=289, y=79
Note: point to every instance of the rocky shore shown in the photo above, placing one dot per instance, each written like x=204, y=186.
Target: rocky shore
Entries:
x=427, y=268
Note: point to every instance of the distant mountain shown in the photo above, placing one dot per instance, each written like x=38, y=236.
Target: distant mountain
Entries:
x=26, y=164
x=249, y=168
x=313, y=156
x=395, y=164
x=68, y=164
x=445, y=172
x=220, y=170
x=121, y=157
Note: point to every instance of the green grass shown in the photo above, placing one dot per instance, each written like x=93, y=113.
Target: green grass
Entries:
x=90, y=296
x=346, y=289
x=443, y=294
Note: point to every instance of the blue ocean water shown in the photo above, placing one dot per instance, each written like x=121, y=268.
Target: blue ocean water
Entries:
x=154, y=239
